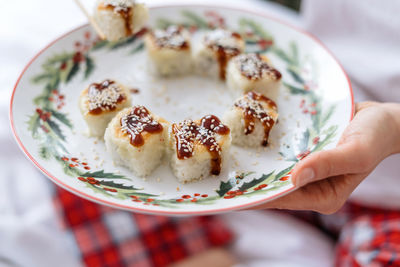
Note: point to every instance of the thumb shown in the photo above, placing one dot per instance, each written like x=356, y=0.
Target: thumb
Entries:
x=344, y=159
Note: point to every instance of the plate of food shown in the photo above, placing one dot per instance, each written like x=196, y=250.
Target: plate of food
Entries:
x=198, y=110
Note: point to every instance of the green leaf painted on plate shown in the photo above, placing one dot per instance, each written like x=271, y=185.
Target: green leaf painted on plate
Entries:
x=72, y=72
x=294, y=53
x=327, y=115
x=195, y=19
x=99, y=44
x=42, y=77
x=256, y=28
x=104, y=175
x=89, y=67
x=112, y=184
x=60, y=117
x=44, y=152
x=254, y=182
x=281, y=54
x=33, y=124
x=122, y=43
x=296, y=90
x=58, y=59
x=224, y=187
x=295, y=75
x=138, y=48
x=283, y=172
x=56, y=129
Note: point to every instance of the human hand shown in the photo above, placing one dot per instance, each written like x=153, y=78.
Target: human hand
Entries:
x=325, y=179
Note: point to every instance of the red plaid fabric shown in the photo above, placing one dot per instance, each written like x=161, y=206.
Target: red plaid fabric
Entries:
x=111, y=237
x=365, y=236
x=370, y=237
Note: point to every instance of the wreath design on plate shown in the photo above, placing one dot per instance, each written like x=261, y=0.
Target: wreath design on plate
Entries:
x=48, y=121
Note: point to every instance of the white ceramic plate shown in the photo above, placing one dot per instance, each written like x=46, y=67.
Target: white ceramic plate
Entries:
x=315, y=106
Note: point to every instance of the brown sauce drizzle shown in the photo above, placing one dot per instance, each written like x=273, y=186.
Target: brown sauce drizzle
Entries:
x=223, y=58
x=253, y=110
x=187, y=132
x=137, y=121
x=126, y=12
x=99, y=102
x=224, y=54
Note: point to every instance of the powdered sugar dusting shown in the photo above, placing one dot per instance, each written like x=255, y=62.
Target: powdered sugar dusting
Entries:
x=119, y=5
x=254, y=67
x=223, y=39
x=172, y=37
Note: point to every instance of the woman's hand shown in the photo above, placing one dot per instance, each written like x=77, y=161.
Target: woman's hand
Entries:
x=326, y=179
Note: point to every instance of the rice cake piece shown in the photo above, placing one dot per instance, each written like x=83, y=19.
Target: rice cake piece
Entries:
x=253, y=72
x=198, y=148
x=119, y=19
x=135, y=138
x=251, y=120
x=100, y=102
x=213, y=50
x=169, y=51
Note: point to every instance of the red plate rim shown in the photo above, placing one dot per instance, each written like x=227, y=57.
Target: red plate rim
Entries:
x=161, y=212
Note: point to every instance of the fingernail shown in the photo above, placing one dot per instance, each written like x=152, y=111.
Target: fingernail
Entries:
x=304, y=177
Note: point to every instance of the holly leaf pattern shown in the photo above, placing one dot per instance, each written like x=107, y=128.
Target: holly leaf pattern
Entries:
x=60, y=117
x=224, y=187
x=112, y=184
x=254, y=182
x=89, y=66
x=44, y=152
x=56, y=129
x=74, y=70
x=195, y=19
x=283, y=172
x=138, y=48
x=33, y=124
x=102, y=174
x=296, y=90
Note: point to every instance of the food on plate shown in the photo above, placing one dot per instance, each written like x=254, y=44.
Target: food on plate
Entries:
x=100, y=102
x=120, y=18
x=251, y=119
x=198, y=148
x=169, y=51
x=212, y=51
x=135, y=138
x=253, y=72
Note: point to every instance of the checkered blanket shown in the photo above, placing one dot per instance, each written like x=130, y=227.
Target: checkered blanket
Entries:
x=366, y=236
x=110, y=237
x=369, y=237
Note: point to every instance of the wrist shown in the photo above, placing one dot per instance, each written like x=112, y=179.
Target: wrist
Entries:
x=393, y=110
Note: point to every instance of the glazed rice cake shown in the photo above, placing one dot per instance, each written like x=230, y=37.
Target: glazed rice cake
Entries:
x=100, y=102
x=119, y=19
x=169, y=51
x=253, y=72
x=251, y=120
x=212, y=51
x=135, y=138
x=199, y=148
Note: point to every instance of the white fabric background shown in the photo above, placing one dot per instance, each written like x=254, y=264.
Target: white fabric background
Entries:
x=364, y=35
